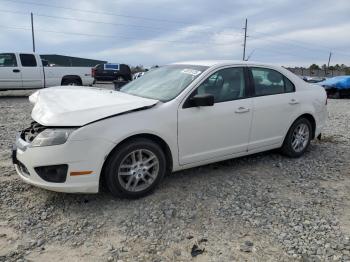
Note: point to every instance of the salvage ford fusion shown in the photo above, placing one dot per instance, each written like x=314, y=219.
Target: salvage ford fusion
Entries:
x=175, y=117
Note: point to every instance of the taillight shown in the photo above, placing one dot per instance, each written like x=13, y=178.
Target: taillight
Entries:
x=93, y=71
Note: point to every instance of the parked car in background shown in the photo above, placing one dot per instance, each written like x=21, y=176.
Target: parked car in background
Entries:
x=337, y=87
x=112, y=72
x=313, y=79
x=175, y=117
x=28, y=71
x=137, y=75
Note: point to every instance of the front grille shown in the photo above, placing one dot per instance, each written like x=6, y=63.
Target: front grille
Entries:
x=31, y=132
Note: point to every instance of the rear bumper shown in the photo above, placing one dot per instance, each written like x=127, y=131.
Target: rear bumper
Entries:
x=78, y=155
x=105, y=78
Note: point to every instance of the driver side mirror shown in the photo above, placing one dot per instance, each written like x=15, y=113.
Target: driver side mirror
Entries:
x=203, y=100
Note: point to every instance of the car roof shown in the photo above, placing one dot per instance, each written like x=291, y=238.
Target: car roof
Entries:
x=211, y=63
x=220, y=63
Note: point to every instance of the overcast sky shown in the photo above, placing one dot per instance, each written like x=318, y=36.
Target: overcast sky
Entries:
x=285, y=32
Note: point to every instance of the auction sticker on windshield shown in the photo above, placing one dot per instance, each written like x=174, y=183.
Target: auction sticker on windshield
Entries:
x=191, y=72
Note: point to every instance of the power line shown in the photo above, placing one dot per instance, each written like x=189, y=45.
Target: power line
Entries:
x=274, y=51
x=132, y=25
x=283, y=39
x=284, y=43
x=250, y=55
x=114, y=36
x=289, y=54
x=96, y=12
x=297, y=43
x=288, y=41
x=110, y=14
x=313, y=49
x=162, y=29
x=90, y=35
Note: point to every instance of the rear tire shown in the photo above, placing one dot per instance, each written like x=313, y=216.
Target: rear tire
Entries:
x=298, y=138
x=135, y=168
x=71, y=82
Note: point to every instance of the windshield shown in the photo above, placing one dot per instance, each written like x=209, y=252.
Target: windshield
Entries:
x=164, y=83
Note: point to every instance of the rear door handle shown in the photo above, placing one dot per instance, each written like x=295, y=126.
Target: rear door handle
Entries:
x=16, y=70
x=241, y=109
x=293, y=102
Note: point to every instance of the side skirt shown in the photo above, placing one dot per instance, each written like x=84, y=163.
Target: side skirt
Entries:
x=226, y=157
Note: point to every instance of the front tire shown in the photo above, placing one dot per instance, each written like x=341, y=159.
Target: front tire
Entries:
x=298, y=138
x=135, y=168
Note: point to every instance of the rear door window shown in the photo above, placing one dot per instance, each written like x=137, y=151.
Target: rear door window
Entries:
x=8, y=60
x=288, y=85
x=28, y=60
x=270, y=82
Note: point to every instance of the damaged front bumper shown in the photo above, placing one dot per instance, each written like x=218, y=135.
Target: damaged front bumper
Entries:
x=50, y=167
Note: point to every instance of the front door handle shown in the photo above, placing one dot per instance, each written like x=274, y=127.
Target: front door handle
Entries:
x=16, y=70
x=293, y=102
x=241, y=109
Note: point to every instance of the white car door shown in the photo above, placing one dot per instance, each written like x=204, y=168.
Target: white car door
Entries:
x=10, y=73
x=209, y=132
x=32, y=71
x=276, y=105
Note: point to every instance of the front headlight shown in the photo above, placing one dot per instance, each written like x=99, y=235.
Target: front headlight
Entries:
x=51, y=137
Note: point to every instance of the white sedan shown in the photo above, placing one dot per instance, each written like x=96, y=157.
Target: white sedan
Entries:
x=175, y=117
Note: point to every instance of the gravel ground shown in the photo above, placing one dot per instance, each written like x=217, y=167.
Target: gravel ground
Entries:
x=264, y=207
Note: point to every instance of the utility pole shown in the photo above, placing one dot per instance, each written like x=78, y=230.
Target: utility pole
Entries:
x=329, y=60
x=31, y=19
x=245, y=38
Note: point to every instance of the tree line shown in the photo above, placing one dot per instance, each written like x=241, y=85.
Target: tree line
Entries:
x=324, y=67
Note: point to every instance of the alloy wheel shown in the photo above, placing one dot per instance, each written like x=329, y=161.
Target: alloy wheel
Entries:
x=300, y=137
x=138, y=170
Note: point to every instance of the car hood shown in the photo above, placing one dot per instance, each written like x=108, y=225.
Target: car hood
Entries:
x=78, y=106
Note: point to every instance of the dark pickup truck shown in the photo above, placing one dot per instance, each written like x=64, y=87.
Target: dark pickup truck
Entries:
x=112, y=72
